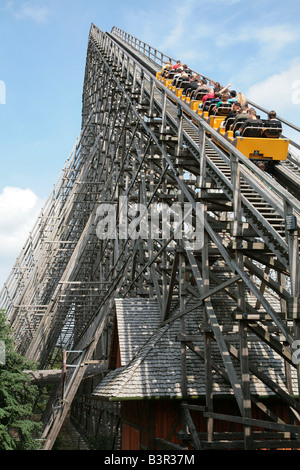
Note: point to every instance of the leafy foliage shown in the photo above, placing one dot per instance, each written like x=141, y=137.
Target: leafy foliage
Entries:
x=17, y=397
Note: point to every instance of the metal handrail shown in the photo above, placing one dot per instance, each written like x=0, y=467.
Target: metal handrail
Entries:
x=156, y=56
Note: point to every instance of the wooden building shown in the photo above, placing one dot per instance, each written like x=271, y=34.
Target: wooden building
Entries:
x=148, y=362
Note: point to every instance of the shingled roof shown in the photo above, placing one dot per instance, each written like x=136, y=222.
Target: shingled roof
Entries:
x=150, y=354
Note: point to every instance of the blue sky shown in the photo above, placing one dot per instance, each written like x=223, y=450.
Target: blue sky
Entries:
x=252, y=45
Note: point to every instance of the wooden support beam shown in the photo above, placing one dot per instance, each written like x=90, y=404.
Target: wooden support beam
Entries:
x=40, y=377
x=256, y=444
x=167, y=445
x=171, y=287
x=269, y=382
x=283, y=427
x=194, y=435
x=214, y=324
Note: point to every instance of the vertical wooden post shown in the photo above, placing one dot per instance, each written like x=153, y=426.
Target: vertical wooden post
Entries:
x=244, y=352
x=292, y=236
x=164, y=111
x=180, y=130
x=205, y=279
x=182, y=294
x=152, y=88
x=202, y=157
x=64, y=371
x=207, y=337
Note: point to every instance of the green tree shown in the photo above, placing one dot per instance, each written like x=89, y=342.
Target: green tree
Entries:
x=17, y=396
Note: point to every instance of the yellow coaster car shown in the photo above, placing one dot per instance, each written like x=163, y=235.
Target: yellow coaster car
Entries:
x=262, y=143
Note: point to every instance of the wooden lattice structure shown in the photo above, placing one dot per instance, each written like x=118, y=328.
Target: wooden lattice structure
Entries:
x=141, y=147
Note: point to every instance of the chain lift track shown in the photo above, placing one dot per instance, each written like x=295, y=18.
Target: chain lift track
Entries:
x=142, y=144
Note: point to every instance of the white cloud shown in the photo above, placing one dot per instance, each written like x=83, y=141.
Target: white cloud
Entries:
x=228, y=39
x=275, y=38
x=180, y=13
x=279, y=91
x=33, y=11
x=268, y=39
x=19, y=209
